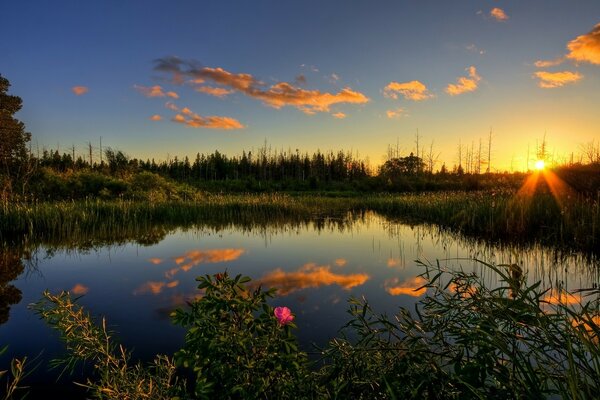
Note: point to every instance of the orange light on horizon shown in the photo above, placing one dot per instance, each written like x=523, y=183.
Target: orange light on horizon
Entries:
x=540, y=165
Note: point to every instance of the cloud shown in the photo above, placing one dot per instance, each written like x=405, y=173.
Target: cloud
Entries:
x=498, y=14
x=171, y=106
x=277, y=95
x=155, y=91
x=155, y=260
x=214, y=91
x=409, y=287
x=586, y=48
x=80, y=289
x=340, y=262
x=474, y=49
x=309, y=276
x=549, y=80
x=339, y=115
x=155, y=117
x=559, y=296
x=549, y=63
x=190, y=119
x=413, y=90
x=397, y=113
x=80, y=90
x=193, y=258
x=464, y=84
x=154, y=287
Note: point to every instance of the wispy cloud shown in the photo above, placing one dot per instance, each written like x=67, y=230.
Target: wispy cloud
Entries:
x=277, y=95
x=549, y=63
x=397, y=113
x=549, y=80
x=309, y=276
x=464, y=84
x=155, y=117
x=339, y=115
x=472, y=48
x=586, y=48
x=409, y=287
x=190, y=119
x=154, y=287
x=155, y=91
x=192, y=258
x=214, y=91
x=412, y=90
x=80, y=90
x=498, y=14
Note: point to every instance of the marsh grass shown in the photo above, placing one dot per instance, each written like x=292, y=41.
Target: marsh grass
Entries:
x=498, y=216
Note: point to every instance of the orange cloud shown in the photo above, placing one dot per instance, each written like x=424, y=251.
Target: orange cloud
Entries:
x=340, y=262
x=392, y=262
x=80, y=289
x=214, y=91
x=548, y=80
x=498, y=14
x=339, y=115
x=413, y=90
x=193, y=258
x=210, y=122
x=278, y=95
x=154, y=287
x=563, y=297
x=586, y=48
x=548, y=63
x=464, y=84
x=155, y=260
x=409, y=287
x=309, y=276
x=397, y=113
x=155, y=117
x=80, y=90
x=155, y=91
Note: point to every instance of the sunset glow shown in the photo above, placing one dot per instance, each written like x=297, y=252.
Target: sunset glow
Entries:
x=167, y=84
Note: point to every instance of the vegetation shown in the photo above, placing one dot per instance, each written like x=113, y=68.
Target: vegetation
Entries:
x=462, y=340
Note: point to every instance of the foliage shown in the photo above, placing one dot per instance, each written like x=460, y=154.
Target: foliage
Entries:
x=17, y=374
x=236, y=347
x=13, y=142
x=86, y=341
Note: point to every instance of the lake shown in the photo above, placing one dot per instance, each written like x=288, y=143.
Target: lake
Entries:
x=316, y=264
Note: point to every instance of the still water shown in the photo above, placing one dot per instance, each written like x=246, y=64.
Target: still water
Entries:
x=317, y=265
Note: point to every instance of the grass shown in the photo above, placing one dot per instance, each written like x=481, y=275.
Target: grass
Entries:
x=498, y=216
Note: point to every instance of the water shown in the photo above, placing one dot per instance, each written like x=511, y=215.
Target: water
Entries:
x=317, y=265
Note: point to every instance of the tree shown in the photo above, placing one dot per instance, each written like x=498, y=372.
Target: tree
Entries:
x=14, y=160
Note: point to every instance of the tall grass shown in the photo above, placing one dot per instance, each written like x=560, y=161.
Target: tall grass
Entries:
x=489, y=215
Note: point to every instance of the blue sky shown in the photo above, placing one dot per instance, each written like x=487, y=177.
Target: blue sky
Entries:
x=317, y=73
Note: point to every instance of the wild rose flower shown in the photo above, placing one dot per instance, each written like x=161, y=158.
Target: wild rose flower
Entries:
x=284, y=315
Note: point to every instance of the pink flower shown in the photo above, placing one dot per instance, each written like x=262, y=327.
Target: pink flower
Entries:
x=284, y=315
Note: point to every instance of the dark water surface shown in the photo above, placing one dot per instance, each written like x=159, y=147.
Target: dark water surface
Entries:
x=317, y=266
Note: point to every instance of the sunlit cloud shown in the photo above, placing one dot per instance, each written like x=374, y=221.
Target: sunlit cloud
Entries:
x=155, y=117
x=79, y=289
x=214, y=91
x=277, y=95
x=340, y=262
x=549, y=63
x=412, y=90
x=193, y=258
x=339, y=115
x=155, y=260
x=190, y=119
x=586, y=48
x=397, y=113
x=309, y=276
x=154, y=287
x=556, y=296
x=409, y=287
x=155, y=91
x=498, y=14
x=549, y=80
x=465, y=84
x=80, y=90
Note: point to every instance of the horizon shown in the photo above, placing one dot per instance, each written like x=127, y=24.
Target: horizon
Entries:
x=156, y=81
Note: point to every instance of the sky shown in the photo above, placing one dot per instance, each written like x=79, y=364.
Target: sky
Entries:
x=158, y=79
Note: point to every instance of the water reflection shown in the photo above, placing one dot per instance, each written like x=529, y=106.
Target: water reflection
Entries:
x=409, y=287
x=193, y=258
x=309, y=275
x=11, y=266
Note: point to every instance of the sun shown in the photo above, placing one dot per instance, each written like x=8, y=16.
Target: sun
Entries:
x=540, y=165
